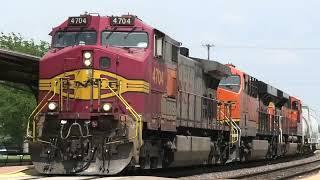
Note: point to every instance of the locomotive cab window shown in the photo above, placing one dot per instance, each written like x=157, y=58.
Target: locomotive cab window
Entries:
x=65, y=39
x=231, y=83
x=125, y=39
x=295, y=105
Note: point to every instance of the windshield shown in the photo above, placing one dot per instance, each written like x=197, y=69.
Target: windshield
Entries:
x=125, y=39
x=231, y=83
x=64, y=39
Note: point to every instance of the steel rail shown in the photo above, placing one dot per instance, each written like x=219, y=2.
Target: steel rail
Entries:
x=280, y=173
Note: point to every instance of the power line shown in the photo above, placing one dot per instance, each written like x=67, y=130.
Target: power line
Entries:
x=271, y=48
x=208, y=46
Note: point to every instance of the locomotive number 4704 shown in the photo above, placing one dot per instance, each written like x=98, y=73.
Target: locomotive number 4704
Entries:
x=122, y=21
x=157, y=76
x=78, y=21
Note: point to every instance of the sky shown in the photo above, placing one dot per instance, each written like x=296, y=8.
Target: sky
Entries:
x=274, y=41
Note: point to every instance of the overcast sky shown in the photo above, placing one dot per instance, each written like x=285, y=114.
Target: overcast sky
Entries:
x=262, y=25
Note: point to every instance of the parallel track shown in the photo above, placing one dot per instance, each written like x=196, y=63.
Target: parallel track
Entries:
x=284, y=172
x=264, y=170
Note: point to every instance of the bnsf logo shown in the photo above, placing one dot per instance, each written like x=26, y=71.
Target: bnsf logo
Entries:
x=94, y=83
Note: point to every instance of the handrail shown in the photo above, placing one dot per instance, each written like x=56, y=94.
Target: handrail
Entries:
x=40, y=106
x=239, y=129
x=234, y=126
x=37, y=111
x=131, y=110
x=280, y=140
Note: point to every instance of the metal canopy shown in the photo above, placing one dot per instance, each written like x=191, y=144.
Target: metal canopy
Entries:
x=19, y=68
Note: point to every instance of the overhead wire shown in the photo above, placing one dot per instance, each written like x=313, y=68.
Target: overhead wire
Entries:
x=268, y=48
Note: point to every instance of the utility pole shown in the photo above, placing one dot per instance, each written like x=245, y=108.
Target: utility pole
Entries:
x=208, y=46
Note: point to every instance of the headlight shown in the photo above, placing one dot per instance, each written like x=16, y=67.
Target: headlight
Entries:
x=63, y=122
x=87, y=55
x=87, y=58
x=52, y=106
x=106, y=107
x=87, y=62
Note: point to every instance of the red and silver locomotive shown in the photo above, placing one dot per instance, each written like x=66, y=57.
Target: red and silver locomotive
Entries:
x=116, y=93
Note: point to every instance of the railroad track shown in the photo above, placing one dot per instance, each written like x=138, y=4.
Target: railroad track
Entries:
x=284, y=172
x=279, y=170
x=275, y=169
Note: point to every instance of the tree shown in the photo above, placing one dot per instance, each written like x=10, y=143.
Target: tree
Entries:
x=16, y=104
x=16, y=42
x=15, y=107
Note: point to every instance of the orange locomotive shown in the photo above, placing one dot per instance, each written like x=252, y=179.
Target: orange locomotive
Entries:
x=269, y=119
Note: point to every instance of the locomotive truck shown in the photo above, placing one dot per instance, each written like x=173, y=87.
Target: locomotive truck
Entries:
x=116, y=93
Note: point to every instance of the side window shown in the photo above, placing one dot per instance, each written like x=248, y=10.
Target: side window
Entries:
x=295, y=105
x=158, y=46
x=174, y=53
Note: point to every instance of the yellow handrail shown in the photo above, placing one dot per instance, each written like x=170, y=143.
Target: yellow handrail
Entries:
x=131, y=110
x=37, y=111
x=234, y=129
x=40, y=106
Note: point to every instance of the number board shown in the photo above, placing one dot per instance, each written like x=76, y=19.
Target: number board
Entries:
x=78, y=21
x=122, y=21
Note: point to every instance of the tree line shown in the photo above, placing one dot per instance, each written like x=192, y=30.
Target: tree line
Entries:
x=16, y=100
